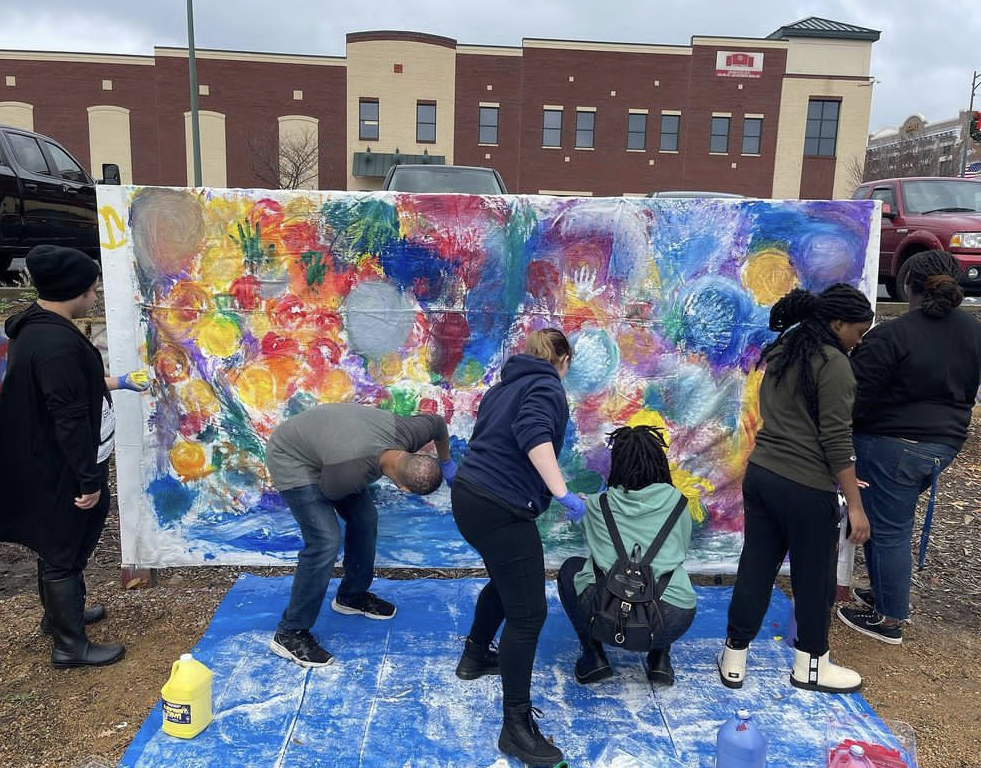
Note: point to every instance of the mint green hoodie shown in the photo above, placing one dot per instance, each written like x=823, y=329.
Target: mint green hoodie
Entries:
x=639, y=515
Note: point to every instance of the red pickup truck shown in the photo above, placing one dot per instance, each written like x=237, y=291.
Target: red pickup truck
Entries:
x=926, y=213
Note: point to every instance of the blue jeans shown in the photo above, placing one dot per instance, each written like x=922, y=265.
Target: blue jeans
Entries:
x=897, y=472
x=321, y=532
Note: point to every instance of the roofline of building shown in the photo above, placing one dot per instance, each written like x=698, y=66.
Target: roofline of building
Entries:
x=403, y=36
x=93, y=58
x=257, y=56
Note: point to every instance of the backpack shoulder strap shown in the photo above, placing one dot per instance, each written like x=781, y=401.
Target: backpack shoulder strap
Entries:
x=611, y=526
x=665, y=530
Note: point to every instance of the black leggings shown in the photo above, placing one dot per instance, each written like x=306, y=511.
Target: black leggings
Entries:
x=67, y=562
x=511, y=548
x=783, y=516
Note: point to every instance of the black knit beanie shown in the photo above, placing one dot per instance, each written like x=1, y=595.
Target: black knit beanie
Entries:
x=59, y=273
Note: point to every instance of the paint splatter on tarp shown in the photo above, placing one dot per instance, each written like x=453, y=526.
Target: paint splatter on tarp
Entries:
x=250, y=306
x=391, y=697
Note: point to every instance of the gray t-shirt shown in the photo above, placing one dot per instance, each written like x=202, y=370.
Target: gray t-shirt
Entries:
x=337, y=446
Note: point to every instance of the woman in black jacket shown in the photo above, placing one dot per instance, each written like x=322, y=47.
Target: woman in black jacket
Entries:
x=917, y=379
x=508, y=478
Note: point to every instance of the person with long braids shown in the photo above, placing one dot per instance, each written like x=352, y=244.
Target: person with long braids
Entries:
x=641, y=498
x=803, y=452
x=508, y=478
x=917, y=379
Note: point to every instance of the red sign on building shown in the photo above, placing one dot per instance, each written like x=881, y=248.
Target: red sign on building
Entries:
x=739, y=63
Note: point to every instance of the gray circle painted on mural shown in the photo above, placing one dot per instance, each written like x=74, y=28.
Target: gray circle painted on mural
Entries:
x=595, y=360
x=378, y=318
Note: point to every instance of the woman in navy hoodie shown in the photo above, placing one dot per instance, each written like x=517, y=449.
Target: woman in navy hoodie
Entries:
x=508, y=479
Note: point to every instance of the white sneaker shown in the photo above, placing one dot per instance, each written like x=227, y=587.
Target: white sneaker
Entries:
x=732, y=666
x=817, y=673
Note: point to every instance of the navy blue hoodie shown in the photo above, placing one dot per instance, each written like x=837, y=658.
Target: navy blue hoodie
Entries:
x=525, y=409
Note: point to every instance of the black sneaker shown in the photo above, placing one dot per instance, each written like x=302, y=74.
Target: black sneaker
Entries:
x=864, y=597
x=658, y=667
x=368, y=604
x=870, y=623
x=300, y=647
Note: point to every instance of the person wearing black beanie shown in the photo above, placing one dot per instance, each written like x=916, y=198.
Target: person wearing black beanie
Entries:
x=57, y=422
x=61, y=274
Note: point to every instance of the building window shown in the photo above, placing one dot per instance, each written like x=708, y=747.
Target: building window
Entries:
x=636, y=131
x=552, y=128
x=426, y=122
x=719, y=141
x=585, y=124
x=752, y=133
x=822, y=127
x=368, y=120
x=670, y=126
x=487, y=132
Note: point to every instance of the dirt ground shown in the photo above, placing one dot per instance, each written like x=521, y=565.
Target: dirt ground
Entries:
x=75, y=718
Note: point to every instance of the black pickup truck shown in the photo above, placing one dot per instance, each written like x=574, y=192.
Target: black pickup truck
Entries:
x=45, y=196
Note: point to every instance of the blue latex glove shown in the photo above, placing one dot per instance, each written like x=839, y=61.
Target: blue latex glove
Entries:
x=135, y=381
x=449, y=471
x=575, y=508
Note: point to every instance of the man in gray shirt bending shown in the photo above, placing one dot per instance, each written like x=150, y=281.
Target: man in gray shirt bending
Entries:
x=322, y=461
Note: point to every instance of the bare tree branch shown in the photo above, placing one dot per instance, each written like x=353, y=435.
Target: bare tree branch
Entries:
x=284, y=162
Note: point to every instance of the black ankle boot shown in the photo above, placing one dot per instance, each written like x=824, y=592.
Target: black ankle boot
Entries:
x=64, y=606
x=521, y=738
x=477, y=660
x=592, y=665
x=90, y=615
x=658, y=667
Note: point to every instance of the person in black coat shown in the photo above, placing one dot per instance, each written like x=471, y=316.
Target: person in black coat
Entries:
x=57, y=423
x=918, y=379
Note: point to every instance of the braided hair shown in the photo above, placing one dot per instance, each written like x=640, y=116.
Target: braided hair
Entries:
x=812, y=315
x=637, y=457
x=934, y=275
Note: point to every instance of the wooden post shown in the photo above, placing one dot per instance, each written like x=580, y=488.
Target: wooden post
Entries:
x=136, y=577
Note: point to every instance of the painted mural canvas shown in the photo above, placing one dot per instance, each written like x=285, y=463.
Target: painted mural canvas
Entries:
x=249, y=306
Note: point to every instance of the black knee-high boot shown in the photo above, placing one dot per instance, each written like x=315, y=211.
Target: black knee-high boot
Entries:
x=91, y=614
x=64, y=607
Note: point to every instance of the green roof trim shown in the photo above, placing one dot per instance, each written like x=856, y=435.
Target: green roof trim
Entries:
x=814, y=26
x=376, y=164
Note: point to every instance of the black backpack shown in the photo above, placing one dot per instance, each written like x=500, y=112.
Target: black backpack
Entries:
x=625, y=610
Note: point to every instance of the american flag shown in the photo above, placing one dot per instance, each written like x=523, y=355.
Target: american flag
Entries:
x=971, y=171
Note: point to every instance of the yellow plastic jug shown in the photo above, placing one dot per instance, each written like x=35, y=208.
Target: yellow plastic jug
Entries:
x=187, y=698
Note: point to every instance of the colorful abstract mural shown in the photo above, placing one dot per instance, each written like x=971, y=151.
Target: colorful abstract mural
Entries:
x=249, y=306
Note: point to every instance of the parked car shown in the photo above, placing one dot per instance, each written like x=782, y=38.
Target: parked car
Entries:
x=924, y=213
x=467, y=179
x=45, y=196
x=692, y=193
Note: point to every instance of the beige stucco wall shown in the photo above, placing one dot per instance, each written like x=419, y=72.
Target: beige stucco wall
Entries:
x=17, y=114
x=211, y=127
x=428, y=74
x=304, y=131
x=109, y=141
x=805, y=59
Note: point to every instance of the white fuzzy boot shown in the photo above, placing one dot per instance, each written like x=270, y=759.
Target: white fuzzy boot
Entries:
x=817, y=673
x=732, y=666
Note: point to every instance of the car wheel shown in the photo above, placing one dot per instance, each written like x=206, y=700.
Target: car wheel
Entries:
x=889, y=283
x=901, y=293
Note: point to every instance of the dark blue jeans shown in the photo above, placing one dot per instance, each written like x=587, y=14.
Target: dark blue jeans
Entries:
x=897, y=472
x=674, y=620
x=321, y=531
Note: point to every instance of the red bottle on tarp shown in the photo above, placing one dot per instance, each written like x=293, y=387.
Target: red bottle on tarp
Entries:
x=853, y=757
x=740, y=743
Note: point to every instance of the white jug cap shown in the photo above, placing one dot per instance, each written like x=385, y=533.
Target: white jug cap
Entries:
x=856, y=750
x=743, y=714
x=186, y=657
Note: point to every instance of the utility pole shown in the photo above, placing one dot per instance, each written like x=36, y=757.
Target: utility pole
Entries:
x=193, y=73
x=975, y=82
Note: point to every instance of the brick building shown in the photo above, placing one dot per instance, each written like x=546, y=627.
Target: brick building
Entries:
x=781, y=116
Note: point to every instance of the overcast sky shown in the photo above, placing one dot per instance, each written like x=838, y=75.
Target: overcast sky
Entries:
x=923, y=61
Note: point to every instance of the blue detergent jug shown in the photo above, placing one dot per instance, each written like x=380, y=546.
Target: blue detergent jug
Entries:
x=740, y=743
